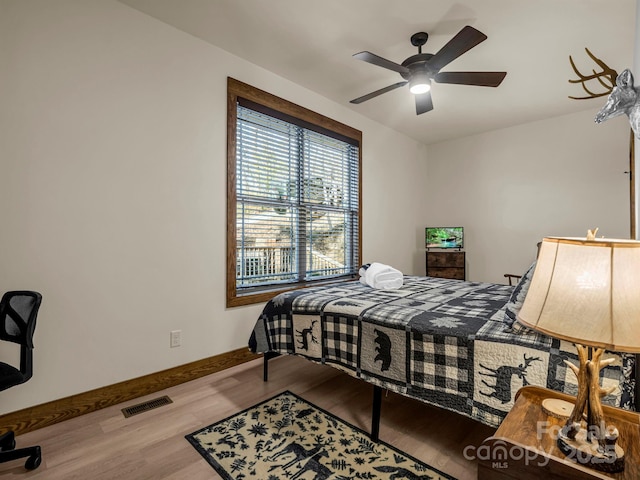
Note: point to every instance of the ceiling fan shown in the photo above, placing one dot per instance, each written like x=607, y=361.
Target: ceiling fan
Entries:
x=419, y=70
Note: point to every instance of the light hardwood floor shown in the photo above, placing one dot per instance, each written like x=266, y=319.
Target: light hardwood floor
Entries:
x=151, y=445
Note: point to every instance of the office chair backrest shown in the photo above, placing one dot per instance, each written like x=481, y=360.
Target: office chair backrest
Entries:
x=18, y=313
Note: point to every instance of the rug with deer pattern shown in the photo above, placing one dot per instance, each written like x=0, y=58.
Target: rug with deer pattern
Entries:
x=287, y=437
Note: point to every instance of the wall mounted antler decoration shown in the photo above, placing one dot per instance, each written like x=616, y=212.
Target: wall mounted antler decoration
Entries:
x=606, y=77
x=623, y=99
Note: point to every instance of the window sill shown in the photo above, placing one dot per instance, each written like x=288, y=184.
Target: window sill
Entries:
x=266, y=295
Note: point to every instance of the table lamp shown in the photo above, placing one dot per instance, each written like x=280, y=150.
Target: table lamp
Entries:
x=587, y=291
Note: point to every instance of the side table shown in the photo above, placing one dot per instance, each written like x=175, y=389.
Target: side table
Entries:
x=524, y=446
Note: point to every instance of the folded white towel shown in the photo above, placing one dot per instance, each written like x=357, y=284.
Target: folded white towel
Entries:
x=381, y=276
x=363, y=273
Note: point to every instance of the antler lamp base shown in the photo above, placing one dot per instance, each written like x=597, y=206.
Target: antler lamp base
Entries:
x=588, y=453
x=594, y=446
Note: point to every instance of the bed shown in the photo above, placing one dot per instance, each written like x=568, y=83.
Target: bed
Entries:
x=449, y=343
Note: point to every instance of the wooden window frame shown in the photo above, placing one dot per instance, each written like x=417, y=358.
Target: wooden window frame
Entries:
x=239, y=90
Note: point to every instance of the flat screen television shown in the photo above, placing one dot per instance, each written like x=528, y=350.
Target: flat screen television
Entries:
x=444, y=237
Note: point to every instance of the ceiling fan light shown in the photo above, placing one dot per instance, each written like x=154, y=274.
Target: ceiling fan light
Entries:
x=420, y=88
x=419, y=84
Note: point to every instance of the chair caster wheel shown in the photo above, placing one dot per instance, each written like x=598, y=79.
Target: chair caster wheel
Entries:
x=8, y=442
x=8, y=446
x=33, y=462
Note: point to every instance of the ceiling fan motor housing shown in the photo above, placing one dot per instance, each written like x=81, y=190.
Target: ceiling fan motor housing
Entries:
x=417, y=64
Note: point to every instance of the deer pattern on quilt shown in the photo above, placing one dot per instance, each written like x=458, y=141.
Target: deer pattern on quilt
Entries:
x=503, y=375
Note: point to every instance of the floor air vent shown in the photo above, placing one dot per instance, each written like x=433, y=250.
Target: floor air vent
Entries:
x=146, y=406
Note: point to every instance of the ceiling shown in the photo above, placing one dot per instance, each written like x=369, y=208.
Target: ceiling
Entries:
x=311, y=43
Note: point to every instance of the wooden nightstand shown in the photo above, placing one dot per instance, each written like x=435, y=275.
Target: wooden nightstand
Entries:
x=524, y=446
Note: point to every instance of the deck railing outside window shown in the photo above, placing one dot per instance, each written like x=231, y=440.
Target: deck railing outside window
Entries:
x=266, y=264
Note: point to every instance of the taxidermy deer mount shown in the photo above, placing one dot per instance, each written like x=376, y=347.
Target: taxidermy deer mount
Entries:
x=624, y=98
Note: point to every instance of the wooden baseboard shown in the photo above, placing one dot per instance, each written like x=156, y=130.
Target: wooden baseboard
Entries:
x=49, y=413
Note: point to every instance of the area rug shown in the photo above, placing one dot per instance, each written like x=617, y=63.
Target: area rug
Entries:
x=286, y=437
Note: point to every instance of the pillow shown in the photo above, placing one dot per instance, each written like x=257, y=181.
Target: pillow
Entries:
x=516, y=300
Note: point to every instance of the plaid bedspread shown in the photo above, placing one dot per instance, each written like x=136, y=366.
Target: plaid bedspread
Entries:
x=437, y=340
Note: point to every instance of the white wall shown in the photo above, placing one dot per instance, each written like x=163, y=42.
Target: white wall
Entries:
x=113, y=170
x=512, y=187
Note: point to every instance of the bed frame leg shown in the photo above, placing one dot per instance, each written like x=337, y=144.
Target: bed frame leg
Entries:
x=375, y=413
x=265, y=366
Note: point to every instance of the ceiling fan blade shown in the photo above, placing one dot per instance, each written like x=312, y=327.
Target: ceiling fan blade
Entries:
x=371, y=95
x=423, y=103
x=465, y=40
x=381, y=62
x=480, y=79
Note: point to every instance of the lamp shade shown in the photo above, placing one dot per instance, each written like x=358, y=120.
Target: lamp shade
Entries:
x=586, y=292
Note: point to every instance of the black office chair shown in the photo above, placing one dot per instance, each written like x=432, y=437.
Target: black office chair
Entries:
x=18, y=312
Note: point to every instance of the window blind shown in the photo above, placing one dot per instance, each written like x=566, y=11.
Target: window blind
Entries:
x=297, y=202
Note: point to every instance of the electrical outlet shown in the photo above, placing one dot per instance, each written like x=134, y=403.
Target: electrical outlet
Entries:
x=176, y=338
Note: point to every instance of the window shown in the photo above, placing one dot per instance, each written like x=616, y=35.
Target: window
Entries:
x=293, y=197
